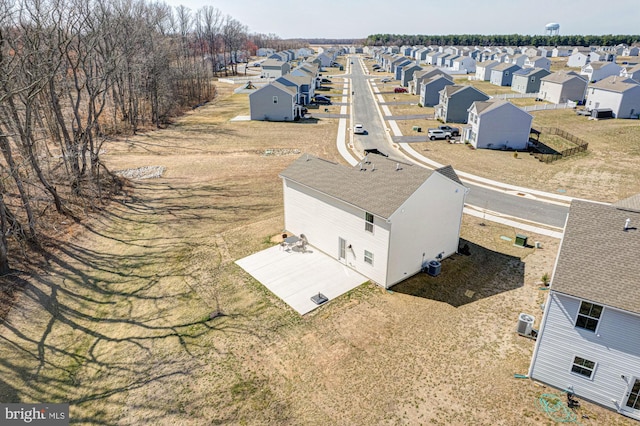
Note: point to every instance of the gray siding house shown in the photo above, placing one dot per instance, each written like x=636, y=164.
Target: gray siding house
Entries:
x=527, y=80
x=396, y=67
x=455, y=102
x=430, y=89
x=425, y=74
x=407, y=72
x=502, y=74
x=498, y=124
x=274, y=69
x=305, y=86
x=562, y=86
x=589, y=338
x=275, y=102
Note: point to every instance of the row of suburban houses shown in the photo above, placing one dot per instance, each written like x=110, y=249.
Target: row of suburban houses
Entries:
x=288, y=90
x=393, y=218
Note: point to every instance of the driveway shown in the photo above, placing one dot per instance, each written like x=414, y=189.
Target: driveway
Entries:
x=295, y=276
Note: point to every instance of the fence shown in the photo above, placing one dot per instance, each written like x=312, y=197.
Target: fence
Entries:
x=581, y=144
x=542, y=107
x=515, y=95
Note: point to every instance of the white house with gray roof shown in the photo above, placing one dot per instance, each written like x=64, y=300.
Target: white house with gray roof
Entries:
x=562, y=86
x=382, y=218
x=272, y=68
x=538, y=62
x=483, y=70
x=595, y=71
x=621, y=95
x=632, y=72
x=578, y=59
x=589, y=338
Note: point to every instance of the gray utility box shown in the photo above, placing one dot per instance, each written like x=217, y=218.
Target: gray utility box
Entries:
x=433, y=268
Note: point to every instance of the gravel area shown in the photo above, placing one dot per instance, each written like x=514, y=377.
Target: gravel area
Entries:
x=146, y=172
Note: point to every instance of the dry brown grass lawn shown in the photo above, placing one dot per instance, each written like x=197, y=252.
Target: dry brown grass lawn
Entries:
x=119, y=323
x=608, y=171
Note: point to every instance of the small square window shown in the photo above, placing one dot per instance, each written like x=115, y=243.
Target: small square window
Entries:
x=368, y=257
x=588, y=316
x=583, y=367
x=275, y=99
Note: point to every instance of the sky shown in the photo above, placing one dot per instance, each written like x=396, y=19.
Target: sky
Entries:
x=360, y=18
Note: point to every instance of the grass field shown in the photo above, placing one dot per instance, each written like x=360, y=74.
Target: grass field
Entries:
x=143, y=318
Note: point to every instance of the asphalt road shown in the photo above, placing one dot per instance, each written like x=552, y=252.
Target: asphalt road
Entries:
x=365, y=112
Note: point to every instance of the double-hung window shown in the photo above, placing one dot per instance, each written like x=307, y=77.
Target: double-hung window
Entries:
x=588, y=316
x=583, y=367
x=368, y=222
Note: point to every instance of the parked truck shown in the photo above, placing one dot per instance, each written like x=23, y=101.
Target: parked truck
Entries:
x=453, y=130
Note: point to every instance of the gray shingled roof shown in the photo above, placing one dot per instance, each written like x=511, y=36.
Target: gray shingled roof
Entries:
x=598, y=260
x=526, y=71
x=486, y=64
x=631, y=204
x=378, y=188
x=504, y=66
x=272, y=63
x=615, y=83
x=561, y=77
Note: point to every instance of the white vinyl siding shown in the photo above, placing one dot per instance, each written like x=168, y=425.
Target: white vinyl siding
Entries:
x=615, y=350
x=323, y=220
x=437, y=207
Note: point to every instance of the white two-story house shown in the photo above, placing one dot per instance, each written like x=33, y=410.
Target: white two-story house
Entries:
x=589, y=338
x=382, y=218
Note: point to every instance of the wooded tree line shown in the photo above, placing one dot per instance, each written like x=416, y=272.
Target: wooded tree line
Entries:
x=75, y=72
x=499, y=40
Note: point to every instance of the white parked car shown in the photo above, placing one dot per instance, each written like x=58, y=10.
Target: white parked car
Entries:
x=385, y=80
x=358, y=129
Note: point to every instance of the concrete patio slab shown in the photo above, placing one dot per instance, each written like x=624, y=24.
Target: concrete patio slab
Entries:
x=295, y=276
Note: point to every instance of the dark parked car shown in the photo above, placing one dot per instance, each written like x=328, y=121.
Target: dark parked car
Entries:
x=325, y=80
x=400, y=90
x=321, y=100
